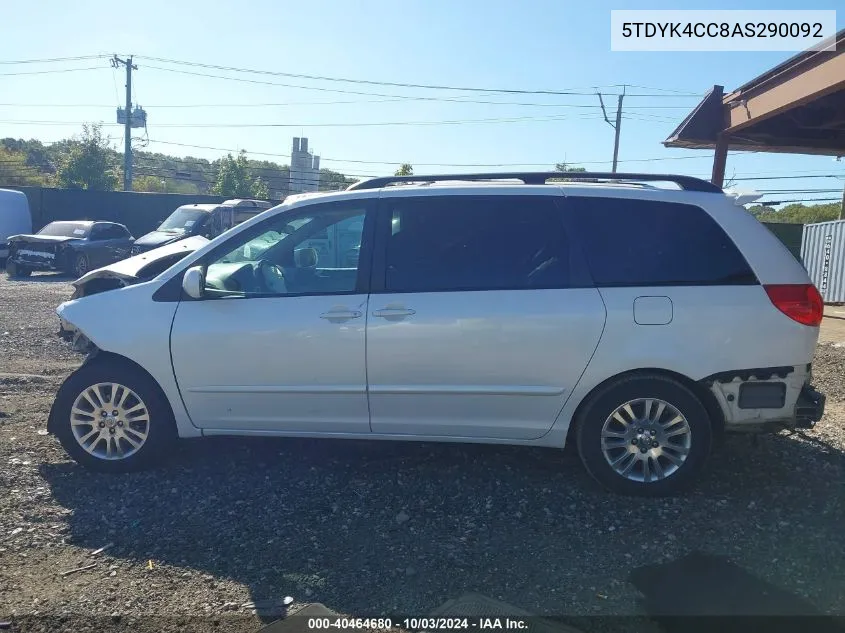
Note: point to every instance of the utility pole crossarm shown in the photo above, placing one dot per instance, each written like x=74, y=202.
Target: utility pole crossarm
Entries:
x=603, y=111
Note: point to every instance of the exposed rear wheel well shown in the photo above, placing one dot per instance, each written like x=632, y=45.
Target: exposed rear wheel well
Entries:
x=708, y=400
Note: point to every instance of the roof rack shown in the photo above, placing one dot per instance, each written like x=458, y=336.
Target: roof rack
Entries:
x=687, y=183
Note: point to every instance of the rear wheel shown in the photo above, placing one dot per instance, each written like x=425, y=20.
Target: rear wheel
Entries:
x=14, y=269
x=644, y=435
x=111, y=416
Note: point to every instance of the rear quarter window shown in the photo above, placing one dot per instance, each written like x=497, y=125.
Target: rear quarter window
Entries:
x=651, y=243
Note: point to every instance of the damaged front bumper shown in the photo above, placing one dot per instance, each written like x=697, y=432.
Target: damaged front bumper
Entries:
x=77, y=340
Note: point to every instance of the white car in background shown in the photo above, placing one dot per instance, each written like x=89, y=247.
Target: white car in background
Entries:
x=15, y=219
x=639, y=322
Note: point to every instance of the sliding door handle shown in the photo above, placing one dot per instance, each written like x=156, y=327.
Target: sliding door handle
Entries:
x=393, y=313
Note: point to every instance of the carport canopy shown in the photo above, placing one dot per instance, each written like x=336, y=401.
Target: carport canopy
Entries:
x=797, y=107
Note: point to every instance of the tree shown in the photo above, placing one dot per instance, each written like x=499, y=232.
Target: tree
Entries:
x=15, y=171
x=89, y=164
x=234, y=178
x=333, y=181
x=149, y=183
x=797, y=213
x=568, y=167
x=405, y=169
x=260, y=190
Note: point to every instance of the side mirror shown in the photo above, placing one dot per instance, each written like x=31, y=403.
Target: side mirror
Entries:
x=193, y=282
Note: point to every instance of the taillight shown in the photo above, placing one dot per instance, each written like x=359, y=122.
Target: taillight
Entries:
x=800, y=302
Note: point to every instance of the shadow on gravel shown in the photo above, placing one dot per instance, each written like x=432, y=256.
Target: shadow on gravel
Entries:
x=45, y=278
x=385, y=528
x=686, y=594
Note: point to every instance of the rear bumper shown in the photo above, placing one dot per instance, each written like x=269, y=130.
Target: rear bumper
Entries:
x=767, y=398
x=809, y=407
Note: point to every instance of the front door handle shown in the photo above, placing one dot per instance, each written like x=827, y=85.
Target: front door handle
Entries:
x=340, y=315
x=391, y=312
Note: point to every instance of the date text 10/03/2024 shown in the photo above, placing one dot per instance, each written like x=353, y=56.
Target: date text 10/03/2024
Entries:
x=420, y=624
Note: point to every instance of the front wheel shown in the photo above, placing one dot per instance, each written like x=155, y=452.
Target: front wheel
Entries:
x=644, y=435
x=111, y=416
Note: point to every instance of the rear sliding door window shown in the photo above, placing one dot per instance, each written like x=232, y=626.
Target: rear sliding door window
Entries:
x=476, y=243
x=647, y=243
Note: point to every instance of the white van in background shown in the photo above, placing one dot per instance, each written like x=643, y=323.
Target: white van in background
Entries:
x=14, y=218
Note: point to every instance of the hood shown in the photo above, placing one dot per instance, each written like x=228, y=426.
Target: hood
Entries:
x=132, y=267
x=44, y=239
x=159, y=238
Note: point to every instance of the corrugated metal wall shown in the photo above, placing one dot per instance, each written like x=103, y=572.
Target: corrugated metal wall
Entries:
x=823, y=252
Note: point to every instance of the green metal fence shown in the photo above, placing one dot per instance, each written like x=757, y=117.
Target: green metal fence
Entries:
x=789, y=234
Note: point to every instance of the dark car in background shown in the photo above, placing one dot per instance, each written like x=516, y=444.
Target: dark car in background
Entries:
x=71, y=247
x=207, y=220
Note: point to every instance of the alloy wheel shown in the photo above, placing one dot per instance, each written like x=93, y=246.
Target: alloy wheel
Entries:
x=646, y=440
x=110, y=421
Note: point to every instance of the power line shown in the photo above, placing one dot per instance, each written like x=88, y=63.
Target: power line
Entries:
x=515, y=119
x=792, y=176
x=422, y=164
x=352, y=92
x=678, y=92
x=349, y=102
x=771, y=191
x=50, y=60
x=800, y=201
x=392, y=84
x=53, y=71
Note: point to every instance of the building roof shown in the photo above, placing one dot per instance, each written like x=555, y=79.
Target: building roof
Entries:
x=798, y=107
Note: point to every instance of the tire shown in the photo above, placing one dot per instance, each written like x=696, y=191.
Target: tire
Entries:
x=112, y=434
x=14, y=270
x=79, y=265
x=678, y=451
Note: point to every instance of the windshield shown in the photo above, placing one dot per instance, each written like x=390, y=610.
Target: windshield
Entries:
x=65, y=229
x=184, y=220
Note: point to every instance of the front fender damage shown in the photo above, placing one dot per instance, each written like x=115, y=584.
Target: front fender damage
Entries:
x=75, y=337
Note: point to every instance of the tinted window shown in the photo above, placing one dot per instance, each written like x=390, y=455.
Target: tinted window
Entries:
x=476, y=243
x=109, y=232
x=647, y=243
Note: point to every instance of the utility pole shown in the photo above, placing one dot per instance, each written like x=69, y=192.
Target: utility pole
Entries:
x=616, y=126
x=116, y=62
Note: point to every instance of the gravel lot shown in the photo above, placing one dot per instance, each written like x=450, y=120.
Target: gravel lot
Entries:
x=379, y=528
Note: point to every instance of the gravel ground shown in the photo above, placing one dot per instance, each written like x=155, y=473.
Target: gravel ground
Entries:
x=376, y=528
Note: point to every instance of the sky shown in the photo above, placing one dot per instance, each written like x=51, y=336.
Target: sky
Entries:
x=557, y=45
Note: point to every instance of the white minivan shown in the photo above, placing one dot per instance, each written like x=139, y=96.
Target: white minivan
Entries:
x=15, y=218
x=638, y=321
